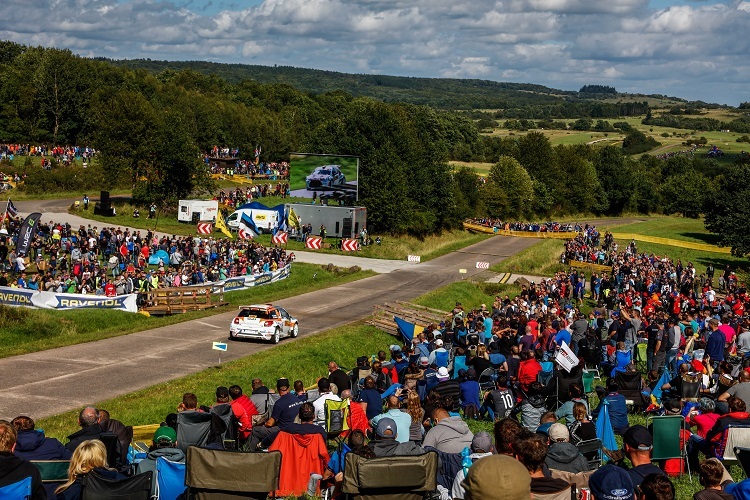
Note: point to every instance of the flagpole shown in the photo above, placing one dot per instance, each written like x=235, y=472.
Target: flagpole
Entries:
x=6, y=211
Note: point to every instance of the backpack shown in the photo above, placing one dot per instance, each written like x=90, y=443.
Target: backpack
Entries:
x=337, y=416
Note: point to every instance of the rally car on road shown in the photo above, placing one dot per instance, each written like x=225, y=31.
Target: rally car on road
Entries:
x=263, y=321
x=325, y=176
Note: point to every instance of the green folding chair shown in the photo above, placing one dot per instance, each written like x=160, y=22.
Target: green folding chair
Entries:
x=666, y=434
x=641, y=357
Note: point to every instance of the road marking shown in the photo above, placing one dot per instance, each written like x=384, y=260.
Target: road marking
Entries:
x=207, y=324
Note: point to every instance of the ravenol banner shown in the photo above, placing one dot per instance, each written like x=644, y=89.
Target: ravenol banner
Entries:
x=50, y=300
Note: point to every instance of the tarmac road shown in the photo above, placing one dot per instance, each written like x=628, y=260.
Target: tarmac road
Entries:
x=56, y=380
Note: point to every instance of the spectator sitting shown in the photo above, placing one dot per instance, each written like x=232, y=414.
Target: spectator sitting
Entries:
x=638, y=444
x=562, y=455
x=335, y=468
x=88, y=420
x=285, y=411
x=737, y=416
x=244, y=410
x=386, y=444
x=299, y=390
x=575, y=391
x=118, y=429
x=531, y=407
x=13, y=468
x=402, y=419
x=369, y=398
x=470, y=394
x=481, y=447
x=259, y=387
x=713, y=476
x=164, y=445
x=307, y=423
x=324, y=389
x=582, y=429
x=439, y=356
x=704, y=417
x=494, y=474
x=531, y=451
x=338, y=377
x=618, y=410
x=448, y=434
x=498, y=403
x=506, y=432
x=656, y=487
x=605, y=480
x=90, y=456
x=448, y=387
x=32, y=444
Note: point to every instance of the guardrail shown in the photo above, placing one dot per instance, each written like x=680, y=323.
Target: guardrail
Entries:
x=703, y=247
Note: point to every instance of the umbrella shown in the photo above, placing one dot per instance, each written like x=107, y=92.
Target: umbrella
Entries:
x=160, y=255
x=604, y=429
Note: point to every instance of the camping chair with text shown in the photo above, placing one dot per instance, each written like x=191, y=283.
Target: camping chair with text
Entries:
x=667, y=433
x=487, y=381
x=222, y=474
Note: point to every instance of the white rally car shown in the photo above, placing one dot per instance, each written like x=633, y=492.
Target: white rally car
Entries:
x=263, y=321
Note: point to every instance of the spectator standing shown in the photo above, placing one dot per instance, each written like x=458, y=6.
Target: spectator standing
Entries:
x=338, y=377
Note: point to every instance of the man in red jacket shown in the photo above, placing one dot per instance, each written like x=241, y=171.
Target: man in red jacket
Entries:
x=243, y=409
x=357, y=418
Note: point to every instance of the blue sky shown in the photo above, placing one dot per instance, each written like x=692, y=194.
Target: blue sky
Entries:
x=694, y=49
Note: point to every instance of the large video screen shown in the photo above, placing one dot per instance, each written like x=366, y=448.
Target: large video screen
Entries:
x=330, y=176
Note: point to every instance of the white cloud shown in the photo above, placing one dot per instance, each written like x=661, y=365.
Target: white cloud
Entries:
x=695, y=50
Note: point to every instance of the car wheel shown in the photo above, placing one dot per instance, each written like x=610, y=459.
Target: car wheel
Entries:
x=295, y=331
x=276, y=336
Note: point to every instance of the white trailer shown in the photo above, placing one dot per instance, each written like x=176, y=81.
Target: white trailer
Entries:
x=197, y=211
x=340, y=222
x=265, y=220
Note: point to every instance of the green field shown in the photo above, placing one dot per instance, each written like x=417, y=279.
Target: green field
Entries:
x=678, y=228
x=31, y=330
x=301, y=166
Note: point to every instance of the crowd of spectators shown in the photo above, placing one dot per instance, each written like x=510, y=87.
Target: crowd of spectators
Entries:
x=493, y=363
x=534, y=227
x=114, y=261
x=239, y=196
x=261, y=170
x=60, y=153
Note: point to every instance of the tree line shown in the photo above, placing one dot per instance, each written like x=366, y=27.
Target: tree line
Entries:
x=151, y=128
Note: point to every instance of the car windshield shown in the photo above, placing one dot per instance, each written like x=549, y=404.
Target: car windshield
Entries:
x=324, y=171
x=258, y=313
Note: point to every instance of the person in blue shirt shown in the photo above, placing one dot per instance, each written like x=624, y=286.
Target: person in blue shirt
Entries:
x=715, y=343
x=617, y=409
x=469, y=388
x=562, y=336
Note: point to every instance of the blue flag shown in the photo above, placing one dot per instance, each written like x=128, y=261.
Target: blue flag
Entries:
x=604, y=429
x=247, y=226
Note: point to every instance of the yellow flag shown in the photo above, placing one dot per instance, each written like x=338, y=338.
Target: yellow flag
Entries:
x=222, y=226
x=293, y=219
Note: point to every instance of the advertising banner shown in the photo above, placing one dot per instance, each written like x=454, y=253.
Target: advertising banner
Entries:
x=26, y=234
x=50, y=300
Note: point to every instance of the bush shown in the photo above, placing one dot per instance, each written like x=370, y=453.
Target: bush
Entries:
x=743, y=138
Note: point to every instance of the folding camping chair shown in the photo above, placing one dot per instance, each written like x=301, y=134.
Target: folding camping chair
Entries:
x=735, y=436
x=641, y=357
x=487, y=380
x=137, y=487
x=592, y=450
x=667, y=443
x=54, y=473
x=170, y=479
x=221, y=474
x=20, y=490
x=459, y=363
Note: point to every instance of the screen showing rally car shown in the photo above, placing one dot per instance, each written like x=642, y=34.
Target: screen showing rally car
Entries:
x=329, y=176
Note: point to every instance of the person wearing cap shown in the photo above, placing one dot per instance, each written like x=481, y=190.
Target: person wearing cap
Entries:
x=439, y=356
x=481, y=447
x=611, y=483
x=386, y=442
x=401, y=418
x=448, y=387
x=494, y=474
x=164, y=445
x=562, y=454
x=285, y=411
x=638, y=444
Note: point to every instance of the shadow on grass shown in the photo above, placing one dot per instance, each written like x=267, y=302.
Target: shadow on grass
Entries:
x=711, y=239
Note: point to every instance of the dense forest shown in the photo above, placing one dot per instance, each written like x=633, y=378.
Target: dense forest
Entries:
x=150, y=128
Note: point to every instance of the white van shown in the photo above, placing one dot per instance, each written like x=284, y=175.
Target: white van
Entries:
x=265, y=220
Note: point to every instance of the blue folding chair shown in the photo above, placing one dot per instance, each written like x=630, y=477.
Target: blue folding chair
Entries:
x=459, y=363
x=20, y=490
x=170, y=479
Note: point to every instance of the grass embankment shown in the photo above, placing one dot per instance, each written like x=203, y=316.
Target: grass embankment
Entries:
x=304, y=359
x=541, y=259
x=677, y=228
x=470, y=294
x=31, y=330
